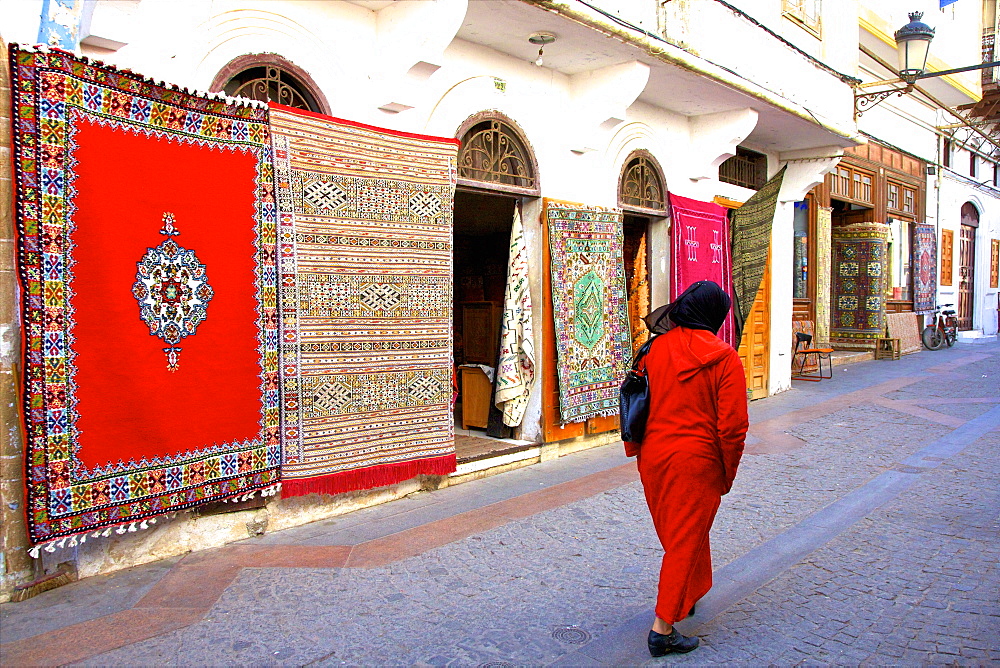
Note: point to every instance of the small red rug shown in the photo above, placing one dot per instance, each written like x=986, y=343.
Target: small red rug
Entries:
x=146, y=233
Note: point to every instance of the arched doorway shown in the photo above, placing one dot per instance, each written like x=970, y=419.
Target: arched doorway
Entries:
x=268, y=77
x=642, y=196
x=967, y=266
x=496, y=173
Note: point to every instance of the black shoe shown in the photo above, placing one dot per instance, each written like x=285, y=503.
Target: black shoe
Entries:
x=691, y=613
x=660, y=644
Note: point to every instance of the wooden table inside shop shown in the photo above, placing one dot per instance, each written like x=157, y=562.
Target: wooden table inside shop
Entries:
x=476, y=392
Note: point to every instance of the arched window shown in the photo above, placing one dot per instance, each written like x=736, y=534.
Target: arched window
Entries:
x=271, y=84
x=270, y=78
x=493, y=154
x=640, y=185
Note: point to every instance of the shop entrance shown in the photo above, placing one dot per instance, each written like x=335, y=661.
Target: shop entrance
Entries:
x=967, y=266
x=481, y=254
x=635, y=254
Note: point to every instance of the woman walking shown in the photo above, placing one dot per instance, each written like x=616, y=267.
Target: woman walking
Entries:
x=692, y=446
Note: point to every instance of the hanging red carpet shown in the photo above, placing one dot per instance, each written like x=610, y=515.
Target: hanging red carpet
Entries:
x=146, y=232
x=365, y=229
x=700, y=246
x=925, y=268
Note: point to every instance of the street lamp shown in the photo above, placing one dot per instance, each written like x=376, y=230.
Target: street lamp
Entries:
x=913, y=43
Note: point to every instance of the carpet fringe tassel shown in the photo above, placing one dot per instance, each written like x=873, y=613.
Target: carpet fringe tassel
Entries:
x=221, y=97
x=267, y=491
x=131, y=527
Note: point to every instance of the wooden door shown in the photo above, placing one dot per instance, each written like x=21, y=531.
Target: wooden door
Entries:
x=755, y=346
x=966, y=276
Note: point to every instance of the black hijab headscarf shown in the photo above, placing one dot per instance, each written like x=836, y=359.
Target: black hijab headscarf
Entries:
x=704, y=305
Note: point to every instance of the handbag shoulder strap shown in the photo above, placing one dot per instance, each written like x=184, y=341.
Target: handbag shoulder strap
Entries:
x=642, y=352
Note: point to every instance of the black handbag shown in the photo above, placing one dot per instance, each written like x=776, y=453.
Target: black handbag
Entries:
x=633, y=399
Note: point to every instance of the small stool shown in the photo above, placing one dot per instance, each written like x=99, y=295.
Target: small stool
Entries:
x=887, y=349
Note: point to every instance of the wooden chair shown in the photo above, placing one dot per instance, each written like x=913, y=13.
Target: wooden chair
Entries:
x=809, y=360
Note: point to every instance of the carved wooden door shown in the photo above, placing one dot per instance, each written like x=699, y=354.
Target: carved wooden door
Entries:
x=755, y=343
x=966, y=277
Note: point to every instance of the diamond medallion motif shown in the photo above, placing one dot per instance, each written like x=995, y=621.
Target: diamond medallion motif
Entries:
x=588, y=302
x=425, y=205
x=424, y=388
x=332, y=398
x=379, y=297
x=172, y=290
x=324, y=195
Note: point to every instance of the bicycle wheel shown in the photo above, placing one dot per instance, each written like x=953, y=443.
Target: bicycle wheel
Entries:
x=951, y=336
x=932, y=337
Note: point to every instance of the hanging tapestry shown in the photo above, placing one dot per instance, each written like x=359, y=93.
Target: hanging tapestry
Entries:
x=859, y=257
x=365, y=241
x=516, y=369
x=925, y=265
x=589, y=308
x=638, y=295
x=824, y=219
x=751, y=240
x=700, y=250
x=146, y=233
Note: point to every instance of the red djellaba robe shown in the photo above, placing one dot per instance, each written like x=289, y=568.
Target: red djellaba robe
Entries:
x=688, y=458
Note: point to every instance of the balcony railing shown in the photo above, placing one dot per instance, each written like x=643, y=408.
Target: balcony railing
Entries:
x=989, y=53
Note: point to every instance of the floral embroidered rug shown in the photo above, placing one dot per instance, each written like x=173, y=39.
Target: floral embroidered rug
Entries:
x=593, y=340
x=366, y=303
x=146, y=234
x=700, y=245
x=859, y=259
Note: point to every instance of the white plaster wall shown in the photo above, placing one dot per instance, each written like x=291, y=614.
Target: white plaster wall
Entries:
x=957, y=32
x=346, y=52
x=780, y=376
x=720, y=36
x=19, y=20
x=956, y=191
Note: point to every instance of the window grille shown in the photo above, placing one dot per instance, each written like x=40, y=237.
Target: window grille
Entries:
x=747, y=168
x=641, y=185
x=909, y=200
x=862, y=187
x=893, y=196
x=268, y=83
x=849, y=183
x=492, y=152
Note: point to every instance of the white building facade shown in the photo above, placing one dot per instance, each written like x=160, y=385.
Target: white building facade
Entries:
x=684, y=85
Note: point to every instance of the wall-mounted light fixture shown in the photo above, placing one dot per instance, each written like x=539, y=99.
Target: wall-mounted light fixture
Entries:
x=913, y=43
x=541, y=39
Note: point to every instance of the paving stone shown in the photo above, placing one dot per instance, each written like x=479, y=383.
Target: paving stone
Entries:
x=912, y=582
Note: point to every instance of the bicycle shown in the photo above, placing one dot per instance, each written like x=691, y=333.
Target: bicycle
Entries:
x=943, y=329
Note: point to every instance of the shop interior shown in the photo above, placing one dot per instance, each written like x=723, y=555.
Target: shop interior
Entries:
x=481, y=253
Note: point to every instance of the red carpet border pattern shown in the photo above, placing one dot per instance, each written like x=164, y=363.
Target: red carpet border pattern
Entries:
x=145, y=249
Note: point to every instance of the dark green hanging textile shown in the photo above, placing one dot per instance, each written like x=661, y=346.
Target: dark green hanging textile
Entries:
x=751, y=233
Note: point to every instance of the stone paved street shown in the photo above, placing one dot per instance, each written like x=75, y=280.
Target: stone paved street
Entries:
x=864, y=528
